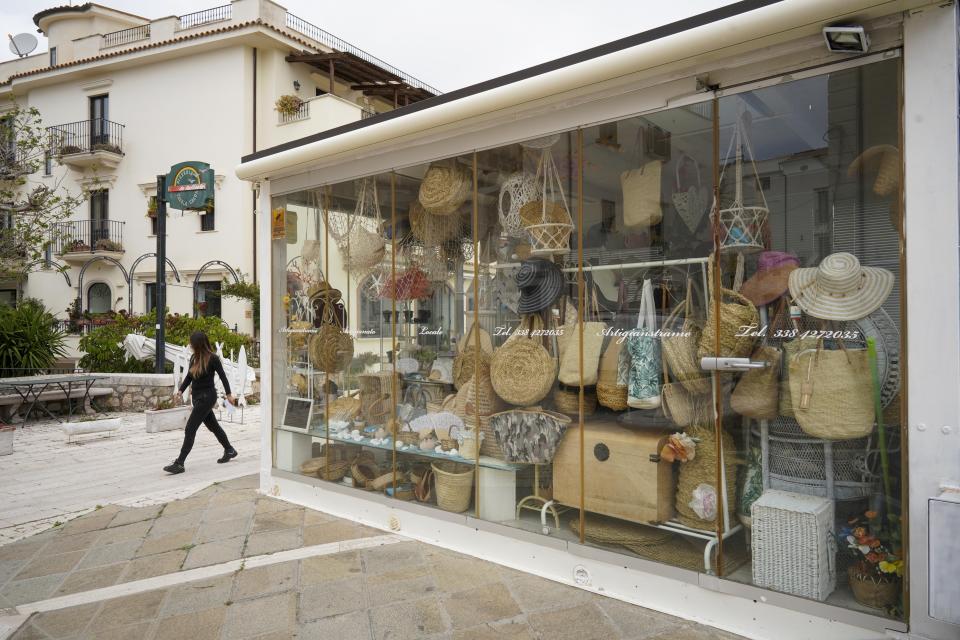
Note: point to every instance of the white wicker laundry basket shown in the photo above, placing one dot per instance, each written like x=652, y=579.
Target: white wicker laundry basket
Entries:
x=794, y=547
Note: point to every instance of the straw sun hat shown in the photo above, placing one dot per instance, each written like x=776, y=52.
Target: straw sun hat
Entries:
x=840, y=288
x=770, y=280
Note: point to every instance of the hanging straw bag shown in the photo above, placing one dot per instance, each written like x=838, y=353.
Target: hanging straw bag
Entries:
x=680, y=350
x=468, y=358
x=594, y=333
x=832, y=393
x=736, y=312
x=691, y=203
x=641, y=195
x=790, y=350
x=331, y=349
x=611, y=391
x=431, y=229
x=311, y=246
x=645, y=361
x=756, y=395
x=522, y=370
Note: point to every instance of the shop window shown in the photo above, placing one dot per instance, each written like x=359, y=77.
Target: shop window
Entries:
x=488, y=243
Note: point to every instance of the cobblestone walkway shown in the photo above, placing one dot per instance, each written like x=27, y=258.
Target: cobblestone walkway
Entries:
x=130, y=573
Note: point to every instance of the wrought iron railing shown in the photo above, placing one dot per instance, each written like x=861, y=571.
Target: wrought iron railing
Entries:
x=87, y=236
x=326, y=38
x=207, y=16
x=302, y=113
x=125, y=36
x=86, y=136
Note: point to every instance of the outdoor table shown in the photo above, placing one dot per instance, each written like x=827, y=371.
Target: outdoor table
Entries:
x=29, y=389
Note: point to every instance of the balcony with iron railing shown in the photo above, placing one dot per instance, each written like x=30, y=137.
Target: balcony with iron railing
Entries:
x=78, y=240
x=125, y=36
x=207, y=16
x=87, y=143
x=315, y=114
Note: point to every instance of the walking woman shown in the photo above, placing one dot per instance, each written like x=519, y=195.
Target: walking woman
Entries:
x=203, y=364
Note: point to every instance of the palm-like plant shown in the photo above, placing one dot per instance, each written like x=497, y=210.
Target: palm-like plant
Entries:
x=29, y=339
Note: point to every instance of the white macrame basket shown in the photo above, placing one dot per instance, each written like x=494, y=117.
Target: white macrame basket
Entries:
x=516, y=191
x=742, y=226
x=550, y=228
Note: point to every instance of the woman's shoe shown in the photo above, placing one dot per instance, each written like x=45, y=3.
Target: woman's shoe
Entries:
x=174, y=468
x=228, y=455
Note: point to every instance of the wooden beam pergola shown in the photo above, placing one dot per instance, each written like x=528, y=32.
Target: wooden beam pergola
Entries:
x=361, y=75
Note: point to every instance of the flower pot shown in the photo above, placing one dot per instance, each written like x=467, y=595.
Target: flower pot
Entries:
x=166, y=419
x=871, y=592
x=6, y=439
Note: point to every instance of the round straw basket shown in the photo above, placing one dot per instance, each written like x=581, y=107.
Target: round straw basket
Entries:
x=522, y=372
x=467, y=363
x=473, y=398
x=383, y=481
x=454, y=486
x=331, y=349
x=411, y=438
x=567, y=401
x=445, y=188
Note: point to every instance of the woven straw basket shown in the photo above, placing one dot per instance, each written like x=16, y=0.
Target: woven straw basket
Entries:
x=445, y=188
x=363, y=474
x=567, y=401
x=454, y=485
x=549, y=226
x=703, y=470
x=735, y=312
x=680, y=351
x=685, y=408
x=522, y=371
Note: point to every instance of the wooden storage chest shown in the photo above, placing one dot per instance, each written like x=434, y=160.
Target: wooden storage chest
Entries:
x=623, y=475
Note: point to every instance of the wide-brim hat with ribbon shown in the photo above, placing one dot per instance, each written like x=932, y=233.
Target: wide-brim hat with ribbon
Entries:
x=323, y=290
x=840, y=288
x=540, y=282
x=771, y=279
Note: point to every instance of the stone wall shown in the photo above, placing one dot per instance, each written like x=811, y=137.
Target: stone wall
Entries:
x=139, y=391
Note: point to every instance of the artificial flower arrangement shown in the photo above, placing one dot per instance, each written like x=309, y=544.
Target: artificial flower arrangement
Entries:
x=878, y=568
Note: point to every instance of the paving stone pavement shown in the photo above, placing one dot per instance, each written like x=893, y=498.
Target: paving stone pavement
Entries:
x=46, y=480
x=400, y=591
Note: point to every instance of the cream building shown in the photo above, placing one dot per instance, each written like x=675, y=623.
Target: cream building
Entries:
x=124, y=97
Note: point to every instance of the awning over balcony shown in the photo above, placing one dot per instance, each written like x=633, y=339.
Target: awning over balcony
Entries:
x=366, y=77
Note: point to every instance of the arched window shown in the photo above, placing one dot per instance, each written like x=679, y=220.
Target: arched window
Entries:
x=99, y=298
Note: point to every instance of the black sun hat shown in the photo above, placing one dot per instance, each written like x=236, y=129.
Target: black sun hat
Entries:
x=540, y=282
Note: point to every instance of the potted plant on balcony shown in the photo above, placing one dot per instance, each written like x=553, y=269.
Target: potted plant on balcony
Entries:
x=288, y=105
x=106, y=244
x=152, y=207
x=877, y=569
x=75, y=246
x=166, y=416
x=69, y=149
x=106, y=146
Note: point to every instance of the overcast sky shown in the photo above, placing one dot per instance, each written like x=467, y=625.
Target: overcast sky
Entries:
x=432, y=40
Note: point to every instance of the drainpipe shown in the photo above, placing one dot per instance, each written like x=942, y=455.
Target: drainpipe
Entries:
x=254, y=195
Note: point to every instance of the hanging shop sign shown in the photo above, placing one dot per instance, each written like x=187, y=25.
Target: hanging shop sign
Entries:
x=190, y=186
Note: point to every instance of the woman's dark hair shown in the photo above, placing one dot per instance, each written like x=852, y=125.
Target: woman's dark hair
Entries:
x=202, y=353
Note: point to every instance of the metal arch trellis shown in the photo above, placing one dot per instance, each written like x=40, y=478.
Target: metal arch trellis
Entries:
x=133, y=270
x=56, y=265
x=196, y=279
x=126, y=276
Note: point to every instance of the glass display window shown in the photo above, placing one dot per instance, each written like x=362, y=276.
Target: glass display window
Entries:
x=674, y=336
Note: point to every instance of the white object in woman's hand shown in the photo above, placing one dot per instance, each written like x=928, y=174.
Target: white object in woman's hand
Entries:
x=231, y=399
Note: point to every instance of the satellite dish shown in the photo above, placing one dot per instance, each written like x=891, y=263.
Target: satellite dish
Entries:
x=22, y=44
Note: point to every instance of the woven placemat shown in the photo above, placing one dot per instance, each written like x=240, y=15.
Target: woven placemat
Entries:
x=658, y=545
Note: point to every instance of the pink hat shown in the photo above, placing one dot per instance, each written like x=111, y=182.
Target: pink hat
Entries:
x=772, y=277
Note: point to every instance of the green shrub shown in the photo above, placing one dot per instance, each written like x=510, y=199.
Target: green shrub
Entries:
x=103, y=351
x=29, y=339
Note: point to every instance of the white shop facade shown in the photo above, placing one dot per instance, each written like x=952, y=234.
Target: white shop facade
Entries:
x=800, y=480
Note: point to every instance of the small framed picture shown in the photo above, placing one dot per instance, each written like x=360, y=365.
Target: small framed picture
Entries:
x=297, y=414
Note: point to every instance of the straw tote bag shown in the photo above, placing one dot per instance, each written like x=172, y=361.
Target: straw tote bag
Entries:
x=594, y=332
x=691, y=203
x=468, y=358
x=735, y=312
x=645, y=362
x=790, y=350
x=680, y=350
x=757, y=393
x=611, y=387
x=641, y=195
x=522, y=370
x=832, y=393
